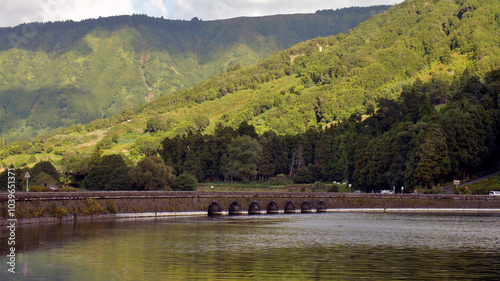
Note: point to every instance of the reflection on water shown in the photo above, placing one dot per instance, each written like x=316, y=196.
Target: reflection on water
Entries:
x=281, y=247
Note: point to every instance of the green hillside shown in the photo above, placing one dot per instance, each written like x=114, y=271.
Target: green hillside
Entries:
x=64, y=73
x=326, y=79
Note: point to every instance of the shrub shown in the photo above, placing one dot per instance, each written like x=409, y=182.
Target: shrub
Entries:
x=318, y=186
x=39, y=188
x=111, y=207
x=306, y=175
x=185, y=182
x=334, y=188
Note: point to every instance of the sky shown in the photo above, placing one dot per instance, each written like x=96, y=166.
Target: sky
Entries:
x=15, y=12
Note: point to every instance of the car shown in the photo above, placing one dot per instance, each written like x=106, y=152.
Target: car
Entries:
x=357, y=191
x=52, y=189
x=384, y=191
x=497, y=193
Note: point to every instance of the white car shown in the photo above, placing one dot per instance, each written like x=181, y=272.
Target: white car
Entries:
x=495, y=193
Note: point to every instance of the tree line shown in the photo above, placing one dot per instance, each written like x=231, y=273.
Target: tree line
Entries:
x=102, y=172
x=404, y=142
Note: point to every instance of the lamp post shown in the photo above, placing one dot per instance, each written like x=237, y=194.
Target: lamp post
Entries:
x=27, y=176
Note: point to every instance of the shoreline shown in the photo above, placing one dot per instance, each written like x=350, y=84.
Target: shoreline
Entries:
x=471, y=211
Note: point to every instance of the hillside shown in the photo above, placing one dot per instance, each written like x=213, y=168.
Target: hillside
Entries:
x=64, y=73
x=326, y=79
x=421, y=78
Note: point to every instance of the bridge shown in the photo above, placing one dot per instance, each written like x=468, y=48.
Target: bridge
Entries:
x=83, y=205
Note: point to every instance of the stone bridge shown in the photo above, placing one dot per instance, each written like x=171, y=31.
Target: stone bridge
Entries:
x=73, y=205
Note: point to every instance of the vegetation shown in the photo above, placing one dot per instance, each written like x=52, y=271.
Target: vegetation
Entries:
x=110, y=173
x=483, y=187
x=151, y=173
x=406, y=142
x=185, y=182
x=59, y=74
x=325, y=80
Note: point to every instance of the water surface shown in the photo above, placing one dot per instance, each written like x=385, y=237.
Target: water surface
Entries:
x=331, y=246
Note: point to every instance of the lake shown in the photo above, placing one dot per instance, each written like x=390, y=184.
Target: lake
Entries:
x=326, y=246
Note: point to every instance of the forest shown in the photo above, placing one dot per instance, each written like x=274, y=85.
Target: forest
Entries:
x=409, y=142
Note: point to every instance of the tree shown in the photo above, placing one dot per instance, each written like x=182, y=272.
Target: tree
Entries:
x=156, y=123
x=111, y=173
x=244, y=157
x=146, y=145
x=45, y=166
x=44, y=173
x=19, y=180
x=185, y=182
x=433, y=158
x=96, y=156
x=75, y=166
x=151, y=173
x=306, y=174
x=415, y=103
x=201, y=122
x=246, y=129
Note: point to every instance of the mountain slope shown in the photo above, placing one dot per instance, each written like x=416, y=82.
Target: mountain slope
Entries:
x=58, y=74
x=326, y=79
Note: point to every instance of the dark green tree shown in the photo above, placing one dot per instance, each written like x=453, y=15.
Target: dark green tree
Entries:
x=244, y=157
x=151, y=173
x=306, y=174
x=433, y=158
x=19, y=180
x=246, y=129
x=96, y=155
x=75, y=166
x=44, y=173
x=185, y=182
x=111, y=173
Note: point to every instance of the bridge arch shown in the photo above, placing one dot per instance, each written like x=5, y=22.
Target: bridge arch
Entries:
x=289, y=207
x=235, y=208
x=214, y=209
x=321, y=208
x=306, y=207
x=254, y=209
x=272, y=208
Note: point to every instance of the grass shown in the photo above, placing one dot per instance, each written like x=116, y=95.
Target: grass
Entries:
x=482, y=187
x=264, y=186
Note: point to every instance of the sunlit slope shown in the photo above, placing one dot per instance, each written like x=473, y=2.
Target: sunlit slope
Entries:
x=327, y=79
x=59, y=74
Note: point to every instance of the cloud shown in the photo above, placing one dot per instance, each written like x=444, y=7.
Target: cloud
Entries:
x=15, y=12
x=223, y=9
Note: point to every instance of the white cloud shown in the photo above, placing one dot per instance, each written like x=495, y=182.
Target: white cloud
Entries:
x=223, y=9
x=14, y=12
